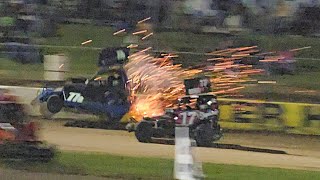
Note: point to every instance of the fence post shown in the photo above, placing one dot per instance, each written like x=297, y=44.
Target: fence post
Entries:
x=185, y=166
x=55, y=67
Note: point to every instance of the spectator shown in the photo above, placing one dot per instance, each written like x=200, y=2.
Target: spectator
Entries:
x=282, y=14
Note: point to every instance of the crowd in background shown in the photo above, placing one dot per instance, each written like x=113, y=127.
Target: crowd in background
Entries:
x=22, y=18
x=272, y=16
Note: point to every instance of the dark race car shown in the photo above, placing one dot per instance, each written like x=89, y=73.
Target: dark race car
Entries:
x=18, y=135
x=198, y=112
x=105, y=94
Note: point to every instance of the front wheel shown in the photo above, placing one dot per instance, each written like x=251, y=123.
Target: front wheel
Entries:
x=143, y=132
x=204, y=135
x=53, y=105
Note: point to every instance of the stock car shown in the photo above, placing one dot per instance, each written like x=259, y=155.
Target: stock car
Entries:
x=198, y=112
x=105, y=94
x=18, y=135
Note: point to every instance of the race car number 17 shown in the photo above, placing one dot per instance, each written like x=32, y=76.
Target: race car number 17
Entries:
x=188, y=117
x=75, y=97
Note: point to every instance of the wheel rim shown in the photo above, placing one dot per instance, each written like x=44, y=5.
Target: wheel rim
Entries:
x=54, y=104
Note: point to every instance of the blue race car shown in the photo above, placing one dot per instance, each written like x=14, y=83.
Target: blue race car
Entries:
x=105, y=94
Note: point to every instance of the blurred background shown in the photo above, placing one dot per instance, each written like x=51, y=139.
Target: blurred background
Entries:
x=31, y=30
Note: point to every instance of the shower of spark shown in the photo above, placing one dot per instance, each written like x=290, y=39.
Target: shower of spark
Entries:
x=157, y=83
x=228, y=70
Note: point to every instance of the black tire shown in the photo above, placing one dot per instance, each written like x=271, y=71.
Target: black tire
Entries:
x=144, y=132
x=204, y=135
x=55, y=104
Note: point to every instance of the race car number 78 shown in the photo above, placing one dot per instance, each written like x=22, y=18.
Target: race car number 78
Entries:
x=75, y=97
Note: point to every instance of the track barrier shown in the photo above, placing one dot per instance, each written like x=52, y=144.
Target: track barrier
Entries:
x=297, y=118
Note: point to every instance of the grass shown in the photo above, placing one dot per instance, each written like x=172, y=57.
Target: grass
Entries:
x=301, y=80
x=224, y=172
x=74, y=35
x=10, y=70
x=82, y=61
x=281, y=43
x=150, y=168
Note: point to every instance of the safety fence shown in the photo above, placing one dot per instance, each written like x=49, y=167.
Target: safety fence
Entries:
x=296, y=118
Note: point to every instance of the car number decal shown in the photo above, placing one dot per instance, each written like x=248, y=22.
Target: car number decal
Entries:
x=75, y=97
x=188, y=117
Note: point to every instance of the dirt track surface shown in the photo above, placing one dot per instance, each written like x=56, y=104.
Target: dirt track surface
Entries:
x=303, y=152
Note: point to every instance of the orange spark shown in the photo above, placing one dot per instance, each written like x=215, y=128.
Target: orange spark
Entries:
x=120, y=31
x=298, y=49
x=215, y=59
x=140, y=32
x=86, y=42
x=240, y=55
x=246, y=48
x=148, y=35
x=132, y=46
x=267, y=82
x=143, y=20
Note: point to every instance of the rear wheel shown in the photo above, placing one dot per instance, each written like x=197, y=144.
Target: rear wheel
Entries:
x=204, y=135
x=143, y=132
